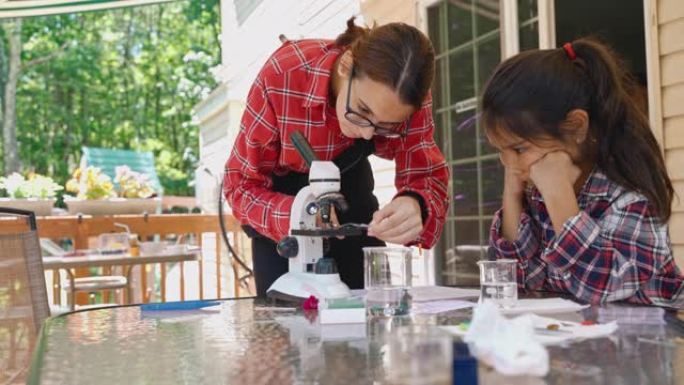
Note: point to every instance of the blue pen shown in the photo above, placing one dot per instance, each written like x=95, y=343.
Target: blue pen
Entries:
x=178, y=305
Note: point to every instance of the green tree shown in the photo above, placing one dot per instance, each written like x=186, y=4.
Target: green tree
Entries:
x=125, y=78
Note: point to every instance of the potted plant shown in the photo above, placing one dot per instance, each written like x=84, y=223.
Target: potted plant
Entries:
x=133, y=185
x=35, y=193
x=96, y=194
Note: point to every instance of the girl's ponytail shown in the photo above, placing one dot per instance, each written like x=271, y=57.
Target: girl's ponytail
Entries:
x=627, y=150
x=352, y=34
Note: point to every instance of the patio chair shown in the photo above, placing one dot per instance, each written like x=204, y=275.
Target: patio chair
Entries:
x=23, y=294
x=84, y=284
x=108, y=159
x=95, y=284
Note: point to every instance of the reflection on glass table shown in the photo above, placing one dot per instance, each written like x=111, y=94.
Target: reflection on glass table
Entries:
x=246, y=342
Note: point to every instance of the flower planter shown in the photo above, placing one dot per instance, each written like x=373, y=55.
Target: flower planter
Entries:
x=112, y=206
x=40, y=207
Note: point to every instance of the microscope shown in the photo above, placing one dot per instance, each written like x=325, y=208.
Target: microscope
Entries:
x=310, y=271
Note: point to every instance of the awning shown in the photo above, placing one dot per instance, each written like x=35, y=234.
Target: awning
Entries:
x=28, y=8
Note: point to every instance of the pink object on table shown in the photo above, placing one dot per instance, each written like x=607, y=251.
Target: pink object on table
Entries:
x=310, y=303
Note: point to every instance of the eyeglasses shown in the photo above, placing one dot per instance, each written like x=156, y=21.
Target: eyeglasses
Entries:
x=387, y=130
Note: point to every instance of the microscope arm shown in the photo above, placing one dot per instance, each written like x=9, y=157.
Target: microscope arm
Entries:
x=347, y=229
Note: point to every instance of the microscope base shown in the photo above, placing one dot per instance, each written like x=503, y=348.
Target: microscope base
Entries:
x=300, y=286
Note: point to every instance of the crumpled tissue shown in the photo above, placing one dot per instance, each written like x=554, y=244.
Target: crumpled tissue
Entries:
x=508, y=345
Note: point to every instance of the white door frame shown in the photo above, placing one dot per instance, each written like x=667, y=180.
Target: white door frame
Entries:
x=547, y=23
x=429, y=257
x=421, y=13
x=655, y=103
x=508, y=25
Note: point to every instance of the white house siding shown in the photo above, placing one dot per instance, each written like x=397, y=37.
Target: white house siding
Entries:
x=245, y=48
x=670, y=16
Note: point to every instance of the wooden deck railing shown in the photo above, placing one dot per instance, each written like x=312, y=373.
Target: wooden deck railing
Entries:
x=82, y=229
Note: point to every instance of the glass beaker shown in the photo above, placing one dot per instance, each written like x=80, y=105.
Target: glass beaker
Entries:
x=498, y=282
x=387, y=276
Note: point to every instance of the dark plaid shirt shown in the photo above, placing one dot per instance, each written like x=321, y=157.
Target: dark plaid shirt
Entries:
x=616, y=248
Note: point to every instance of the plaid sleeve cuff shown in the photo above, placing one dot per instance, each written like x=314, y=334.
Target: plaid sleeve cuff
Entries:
x=579, y=232
x=424, y=213
x=522, y=248
x=280, y=225
x=428, y=237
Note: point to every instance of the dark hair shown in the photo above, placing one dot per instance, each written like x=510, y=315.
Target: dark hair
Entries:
x=395, y=54
x=531, y=93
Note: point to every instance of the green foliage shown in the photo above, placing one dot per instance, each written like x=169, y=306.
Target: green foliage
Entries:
x=125, y=78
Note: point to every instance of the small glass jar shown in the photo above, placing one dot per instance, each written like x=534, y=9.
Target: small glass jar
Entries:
x=135, y=245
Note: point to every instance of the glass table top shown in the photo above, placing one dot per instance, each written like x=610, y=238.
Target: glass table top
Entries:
x=247, y=342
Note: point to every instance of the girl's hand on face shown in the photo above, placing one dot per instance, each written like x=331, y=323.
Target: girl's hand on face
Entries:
x=514, y=184
x=398, y=222
x=554, y=171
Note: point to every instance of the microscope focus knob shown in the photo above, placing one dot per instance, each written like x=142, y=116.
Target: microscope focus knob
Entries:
x=288, y=247
x=325, y=265
x=312, y=208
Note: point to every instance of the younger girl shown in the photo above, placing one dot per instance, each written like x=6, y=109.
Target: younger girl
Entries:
x=586, y=195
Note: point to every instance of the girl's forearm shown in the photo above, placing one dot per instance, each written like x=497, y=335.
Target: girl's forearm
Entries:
x=561, y=203
x=512, y=210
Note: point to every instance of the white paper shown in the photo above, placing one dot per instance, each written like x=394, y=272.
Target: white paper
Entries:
x=632, y=315
x=569, y=331
x=544, y=306
x=437, y=293
x=436, y=307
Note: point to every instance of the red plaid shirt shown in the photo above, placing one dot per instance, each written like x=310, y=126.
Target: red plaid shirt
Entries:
x=614, y=249
x=291, y=93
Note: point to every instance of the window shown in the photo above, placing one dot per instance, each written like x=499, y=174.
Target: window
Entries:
x=467, y=39
x=528, y=19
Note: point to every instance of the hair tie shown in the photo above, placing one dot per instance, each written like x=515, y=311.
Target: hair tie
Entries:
x=570, y=51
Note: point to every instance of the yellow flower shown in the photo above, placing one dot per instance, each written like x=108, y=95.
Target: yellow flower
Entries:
x=92, y=184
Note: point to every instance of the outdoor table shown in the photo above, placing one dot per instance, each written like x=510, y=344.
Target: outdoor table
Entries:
x=243, y=342
x=127, y=261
